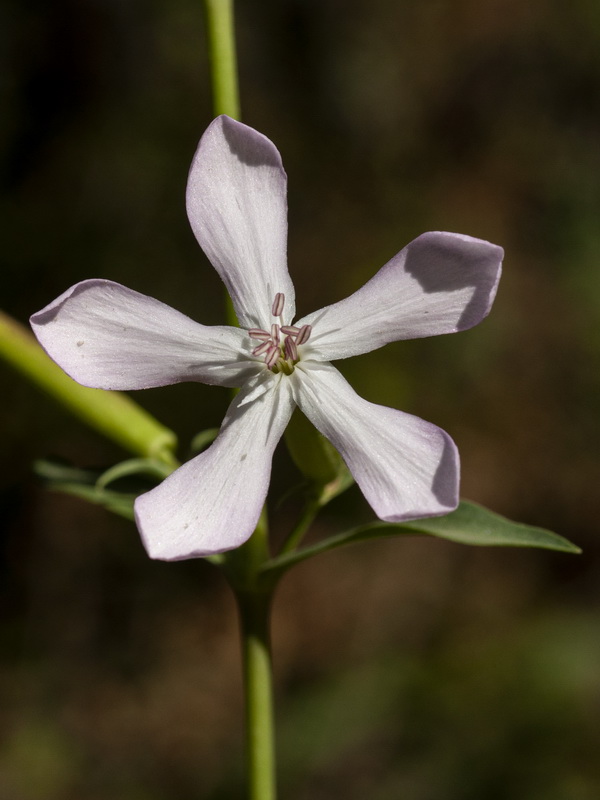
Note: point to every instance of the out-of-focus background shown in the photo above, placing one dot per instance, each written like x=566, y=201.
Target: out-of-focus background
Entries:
x=408, y=668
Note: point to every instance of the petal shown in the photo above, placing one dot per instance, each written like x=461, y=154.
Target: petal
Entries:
x=109, y=337
x=213, y=502
x=439, y=283
x=237, y=207
x=406, y=468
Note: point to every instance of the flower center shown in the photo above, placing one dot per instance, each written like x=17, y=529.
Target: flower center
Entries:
x=279, y=346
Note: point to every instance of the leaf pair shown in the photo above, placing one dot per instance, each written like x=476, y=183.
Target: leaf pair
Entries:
x=469, y=524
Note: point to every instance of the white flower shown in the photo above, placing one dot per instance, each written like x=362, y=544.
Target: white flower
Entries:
x=110, y=337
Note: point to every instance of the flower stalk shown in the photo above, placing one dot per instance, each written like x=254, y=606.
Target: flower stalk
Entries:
x=243, y=565
x=222, y=55
x=244, y=570
x=220, y=32
x=254, y=610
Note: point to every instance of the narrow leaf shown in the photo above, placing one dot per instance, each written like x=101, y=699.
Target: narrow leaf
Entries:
x=469, y=524
x=474, y=524
x=62, y=472
x=117, y=502
x=134, y=466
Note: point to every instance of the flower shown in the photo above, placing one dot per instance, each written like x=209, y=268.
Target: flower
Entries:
x=107, y=336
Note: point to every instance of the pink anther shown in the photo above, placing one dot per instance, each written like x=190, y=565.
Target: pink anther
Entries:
x=262, y=348
x=291, y=351
x=303, y=334
x=258, y=333
x=290, y=330
x=278, y=303
x=272, y=356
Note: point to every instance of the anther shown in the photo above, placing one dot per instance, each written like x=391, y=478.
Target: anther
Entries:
x=272, y=356
x=278, y=345
x=303, y=334
x=258, y=333
x=291, y=351
x=262, y=348
x=278, y=303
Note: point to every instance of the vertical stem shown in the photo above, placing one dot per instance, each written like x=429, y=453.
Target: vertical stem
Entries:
x=254, y=609
x=224, y=76
x=221, y=42
x=242, y=567
x=254, y=604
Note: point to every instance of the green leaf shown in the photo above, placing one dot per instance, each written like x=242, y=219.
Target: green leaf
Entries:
x=133, y=467
x=469, y=524
x=474, y=524
x=91, y=484
x=62, y=472
x=118, y=502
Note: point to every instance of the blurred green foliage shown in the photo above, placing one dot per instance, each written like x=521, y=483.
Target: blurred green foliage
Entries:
x=416, y=669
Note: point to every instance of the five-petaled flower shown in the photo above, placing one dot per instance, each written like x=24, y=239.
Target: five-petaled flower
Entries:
x=110, y=337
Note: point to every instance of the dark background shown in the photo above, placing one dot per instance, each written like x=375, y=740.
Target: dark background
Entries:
x=410, y=668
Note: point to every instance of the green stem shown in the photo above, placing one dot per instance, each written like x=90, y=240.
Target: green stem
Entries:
x=220, y=30
x=309, y=513
x=254, y=609
x=243, y=568
x=111, y=413
x=221, y=43
x=243, y=565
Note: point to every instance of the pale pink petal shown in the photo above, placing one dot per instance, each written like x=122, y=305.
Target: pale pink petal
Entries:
x=237, y=207
x=213, y=502
x=109, y=337
x=440, y=283
x=405, y=467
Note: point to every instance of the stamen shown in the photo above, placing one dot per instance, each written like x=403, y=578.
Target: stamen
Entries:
x=272, y=356
x=290, y=330
x=291, y=351
x=258, y=333
x=278, y=304
x=278, y=346
x=262, y=348
x=304, y=334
